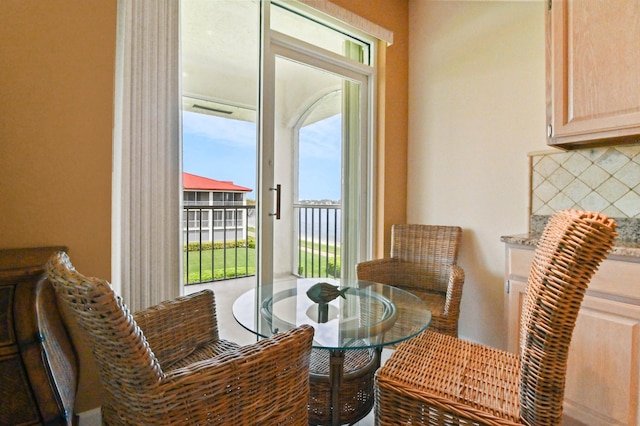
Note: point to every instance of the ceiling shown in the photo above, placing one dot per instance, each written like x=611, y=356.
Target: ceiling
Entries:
x=220, y=61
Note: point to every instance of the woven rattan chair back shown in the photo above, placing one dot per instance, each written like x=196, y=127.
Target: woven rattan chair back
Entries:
x=108, y=324
x=424, y=262
x=166, y=365
x=437, y=379
x=426, y=251
x=567, y=255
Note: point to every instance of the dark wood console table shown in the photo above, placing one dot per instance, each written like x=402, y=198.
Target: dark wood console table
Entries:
x=38, y=365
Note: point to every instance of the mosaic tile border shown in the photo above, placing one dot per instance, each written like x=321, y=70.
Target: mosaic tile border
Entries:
x=605, y=179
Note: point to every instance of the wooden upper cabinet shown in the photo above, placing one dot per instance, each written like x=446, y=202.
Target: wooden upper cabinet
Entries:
x=593, y=72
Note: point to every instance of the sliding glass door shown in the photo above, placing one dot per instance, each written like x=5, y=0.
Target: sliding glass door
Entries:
x=276, y=102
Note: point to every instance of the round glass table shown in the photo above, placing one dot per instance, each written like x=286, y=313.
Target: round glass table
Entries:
x=352, y=324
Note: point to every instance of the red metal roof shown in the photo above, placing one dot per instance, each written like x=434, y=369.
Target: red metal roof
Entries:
x=201, y=183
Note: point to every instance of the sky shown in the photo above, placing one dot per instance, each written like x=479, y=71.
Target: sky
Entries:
x=223, y=149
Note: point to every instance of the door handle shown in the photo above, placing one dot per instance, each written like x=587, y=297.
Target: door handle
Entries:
x=277, y=213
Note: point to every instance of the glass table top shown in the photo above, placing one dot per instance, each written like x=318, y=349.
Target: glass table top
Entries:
x=362, y=314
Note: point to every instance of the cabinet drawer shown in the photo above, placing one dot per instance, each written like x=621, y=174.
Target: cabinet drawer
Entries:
x=18, y=406
x=618, y=279
x=519, y=262
x=614, y=279
x=7, y=334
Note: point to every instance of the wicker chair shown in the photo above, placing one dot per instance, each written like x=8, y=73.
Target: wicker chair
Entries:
x=423, y=261
x=167, y=366
x=438, y=379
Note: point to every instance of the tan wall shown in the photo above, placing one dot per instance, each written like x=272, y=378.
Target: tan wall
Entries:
x=56, y=86
x=56, y=118
x=477, y=102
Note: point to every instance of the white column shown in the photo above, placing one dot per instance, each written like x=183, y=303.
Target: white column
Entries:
x=146, y=252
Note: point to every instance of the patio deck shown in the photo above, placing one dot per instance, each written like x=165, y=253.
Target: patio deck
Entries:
x=226, y=293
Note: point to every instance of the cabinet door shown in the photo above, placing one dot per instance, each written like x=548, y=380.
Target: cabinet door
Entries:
x=593, y=71
x=604, y=364
x=515, y=300
x=603, y=369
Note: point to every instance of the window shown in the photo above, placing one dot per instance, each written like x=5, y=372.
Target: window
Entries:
x=228, y=218
x=196, y=198
x=197, y=219
x=218, y=198
x=326, y=35
x=147, y=103
x=218, y=218
x=196, y=226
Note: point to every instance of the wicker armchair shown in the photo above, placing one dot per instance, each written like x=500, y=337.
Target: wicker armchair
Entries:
x=438, y=379
x=423, y=261
x=167, y=366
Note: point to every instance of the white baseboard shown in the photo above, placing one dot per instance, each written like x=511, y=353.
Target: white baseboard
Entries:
x=90, y=418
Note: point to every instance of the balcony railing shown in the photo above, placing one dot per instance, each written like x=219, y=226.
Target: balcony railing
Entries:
x=220, y=244
x=213, y=203
x=318, y=237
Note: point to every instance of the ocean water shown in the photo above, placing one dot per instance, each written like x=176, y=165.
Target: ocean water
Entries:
x=320, y=224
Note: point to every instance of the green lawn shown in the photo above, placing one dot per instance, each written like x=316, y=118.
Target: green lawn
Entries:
x=316, y=262
x=313, y=265
x=244, y=265
x=316, y=267
x=322, y=246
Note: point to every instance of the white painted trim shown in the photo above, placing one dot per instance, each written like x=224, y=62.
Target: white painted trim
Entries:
x=91, y=417
x=350, y=18
x=275, y=45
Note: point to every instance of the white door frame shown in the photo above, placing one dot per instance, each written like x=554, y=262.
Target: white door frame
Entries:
x=276, y=44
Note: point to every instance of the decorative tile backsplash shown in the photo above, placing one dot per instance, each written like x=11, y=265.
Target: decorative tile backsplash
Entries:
x=603, y=179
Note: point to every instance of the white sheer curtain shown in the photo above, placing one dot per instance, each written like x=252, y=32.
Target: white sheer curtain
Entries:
x=146, y=255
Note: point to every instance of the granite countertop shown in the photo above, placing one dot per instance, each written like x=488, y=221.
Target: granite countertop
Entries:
x=621, y=248
x=626, y=245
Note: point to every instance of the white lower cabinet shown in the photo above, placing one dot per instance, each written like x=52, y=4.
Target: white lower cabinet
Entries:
x=603, y=372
